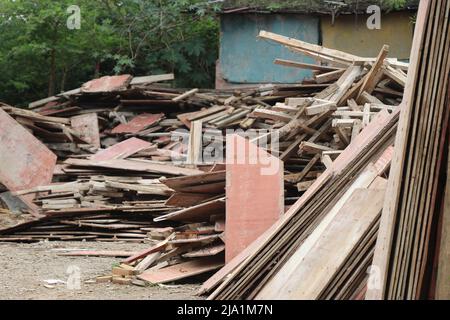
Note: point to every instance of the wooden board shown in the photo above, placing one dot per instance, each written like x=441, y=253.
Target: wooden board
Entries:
x=183, y=270
x=87, y=126
x=121, y=150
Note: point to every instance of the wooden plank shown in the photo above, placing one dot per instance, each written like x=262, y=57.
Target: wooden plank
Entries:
x=375, y=73
x=152, y=79
x=385, y=237
x=314, y=264
x=25, y=161
x=185, y=95
x=138, y=123
x=183, y=270
x=87, y=126
x=134, y=165
x=121, y=150
x=196, y=213
x=195, y=146
x=339, y=55
x=289, y=63
x=100, y=253
x=107, y=84
x=254, y=193
x=442, y=283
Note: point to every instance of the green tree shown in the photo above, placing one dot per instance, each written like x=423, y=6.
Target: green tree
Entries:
x=40, y=56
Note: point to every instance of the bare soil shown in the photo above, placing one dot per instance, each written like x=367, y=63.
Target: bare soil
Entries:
x=26, y=267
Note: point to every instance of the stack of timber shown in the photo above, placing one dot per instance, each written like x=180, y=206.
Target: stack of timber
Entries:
x=408, y=252
x=278, y=254
x=329, y=242
x=130, y=163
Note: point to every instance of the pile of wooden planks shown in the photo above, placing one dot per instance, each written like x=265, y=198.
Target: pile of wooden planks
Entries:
x=334, y=237
x=406, y=245
x=131, y=164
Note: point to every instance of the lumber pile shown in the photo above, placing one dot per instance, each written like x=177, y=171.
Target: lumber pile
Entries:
x=334, y=237
x=132, y=166
x=406, y=246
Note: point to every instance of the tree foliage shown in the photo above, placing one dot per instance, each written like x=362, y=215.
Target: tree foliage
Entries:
x=40, y=55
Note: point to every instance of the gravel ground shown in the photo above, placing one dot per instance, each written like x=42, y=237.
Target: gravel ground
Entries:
x=25, y=267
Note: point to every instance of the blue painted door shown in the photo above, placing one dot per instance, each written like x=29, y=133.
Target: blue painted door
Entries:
x=246, y=59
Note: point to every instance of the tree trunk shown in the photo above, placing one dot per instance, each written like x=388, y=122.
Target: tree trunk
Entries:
x=52, y=77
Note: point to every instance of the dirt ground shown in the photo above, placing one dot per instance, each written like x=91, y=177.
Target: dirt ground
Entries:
x=27, y=267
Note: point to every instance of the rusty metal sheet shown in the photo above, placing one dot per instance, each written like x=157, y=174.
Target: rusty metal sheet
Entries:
x=107, y=84
x=25, y=162
x=122, y=149
x=254, y=193
x=87, y=126
x=138, y=123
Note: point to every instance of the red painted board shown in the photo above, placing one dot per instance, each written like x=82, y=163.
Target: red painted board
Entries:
x=254, y=193
x=107, y=84
x=25, y=162
x=87, y=126
x=121, y=150
x=138, y=123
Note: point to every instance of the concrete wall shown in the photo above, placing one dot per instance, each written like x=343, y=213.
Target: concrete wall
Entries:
x=350, y=34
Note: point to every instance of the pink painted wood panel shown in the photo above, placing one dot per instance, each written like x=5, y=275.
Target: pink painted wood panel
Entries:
x=107, y=84
x=25, y=162
x=122, y=149
x=87, y=126
x=254, y=193
x=138, y=123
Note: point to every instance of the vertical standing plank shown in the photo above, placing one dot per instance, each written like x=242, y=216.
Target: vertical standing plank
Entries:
x=254, y=191
x=384, y=240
